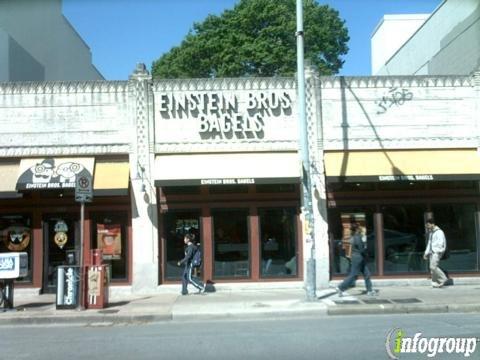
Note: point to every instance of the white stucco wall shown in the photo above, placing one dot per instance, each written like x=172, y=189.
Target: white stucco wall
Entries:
x=399, y=113
x=64, y=118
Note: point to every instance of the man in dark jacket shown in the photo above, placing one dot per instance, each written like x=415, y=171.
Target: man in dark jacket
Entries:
x=187, y=277
x=359, y=262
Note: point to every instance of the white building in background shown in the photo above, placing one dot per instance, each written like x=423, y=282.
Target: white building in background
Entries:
x=445, y=43
x=390, y=34
x=55, y=52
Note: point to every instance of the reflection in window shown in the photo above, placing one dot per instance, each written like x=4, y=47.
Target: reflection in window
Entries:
x=404, y=238
x=16, y=236
x=177, y=224
x=110, y=235
x=458, y=223
x=231, y=245
x=278, y=242
x=339, y=226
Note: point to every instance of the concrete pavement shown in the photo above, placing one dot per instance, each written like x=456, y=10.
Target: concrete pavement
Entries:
x=241, y=304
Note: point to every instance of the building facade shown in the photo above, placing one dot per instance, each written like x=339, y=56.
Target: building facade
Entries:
x=435, y=44
x=219, y=158
x=56, y=52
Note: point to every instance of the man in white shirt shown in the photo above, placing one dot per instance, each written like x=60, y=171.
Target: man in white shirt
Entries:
x=435, y=248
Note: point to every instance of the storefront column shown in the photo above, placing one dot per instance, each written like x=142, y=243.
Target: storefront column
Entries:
x=476, y=84
x=143, y=192
x=317, y=181
x=37, y=250
x=378, y=228
x=255, y=260
x=207, y=236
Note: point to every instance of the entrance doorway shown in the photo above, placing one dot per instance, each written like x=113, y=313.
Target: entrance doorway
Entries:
x=61, y=235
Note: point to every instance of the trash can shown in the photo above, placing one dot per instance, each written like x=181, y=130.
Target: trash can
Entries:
x=97, y=286
x=68, y=287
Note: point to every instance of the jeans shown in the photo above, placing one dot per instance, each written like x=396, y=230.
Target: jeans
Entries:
x=359, y=265
x=187, y=278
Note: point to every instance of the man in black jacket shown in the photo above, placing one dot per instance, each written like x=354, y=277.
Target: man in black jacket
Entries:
x=187, y=277
x=359, y=262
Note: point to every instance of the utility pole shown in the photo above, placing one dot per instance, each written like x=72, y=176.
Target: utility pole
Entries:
x=307, y=209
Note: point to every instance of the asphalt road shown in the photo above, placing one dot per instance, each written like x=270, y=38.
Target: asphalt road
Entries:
x=340, y=337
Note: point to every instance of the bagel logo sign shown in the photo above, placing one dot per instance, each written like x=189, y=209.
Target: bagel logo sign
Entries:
x=51, y=173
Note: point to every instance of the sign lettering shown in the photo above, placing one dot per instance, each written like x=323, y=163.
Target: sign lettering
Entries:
x=406, y=178
x=227, y=115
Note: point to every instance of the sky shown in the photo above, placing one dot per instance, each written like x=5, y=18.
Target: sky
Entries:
x=122, y=33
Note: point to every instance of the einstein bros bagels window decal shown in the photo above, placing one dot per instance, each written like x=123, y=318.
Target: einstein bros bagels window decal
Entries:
x=60, y=237
x=52, y=173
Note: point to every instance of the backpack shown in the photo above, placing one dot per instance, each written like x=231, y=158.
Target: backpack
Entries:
x=197, y=257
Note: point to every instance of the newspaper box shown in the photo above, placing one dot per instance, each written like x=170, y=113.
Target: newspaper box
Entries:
x=97, y=286
x=68, y=287
x=12, y=266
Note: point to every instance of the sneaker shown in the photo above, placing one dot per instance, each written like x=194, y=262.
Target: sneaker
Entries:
x=202, y=290
x=372, y=293
x=339, y=292
x=184, y=293
x=438, y=286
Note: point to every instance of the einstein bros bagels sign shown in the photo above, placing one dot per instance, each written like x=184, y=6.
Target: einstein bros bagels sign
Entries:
x=224, y=115
x=52, y=173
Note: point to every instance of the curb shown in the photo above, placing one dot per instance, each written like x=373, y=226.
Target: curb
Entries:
x=243, y=315
x=88, y=320
x=401, y=309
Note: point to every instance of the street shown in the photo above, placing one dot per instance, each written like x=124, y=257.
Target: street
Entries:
x=322, y=337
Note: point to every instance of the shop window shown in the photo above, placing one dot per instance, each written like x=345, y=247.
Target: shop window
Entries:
x=350, y=186
x=181, y=190
x=402, y=185
x=176, y=225
x=458, y=223
x=453, y=185
x=339, y=222
x=231, y=244
x=275, y=188
x=17, y=236
x=228, y=189
x=278, y=242
x=110, y=235
x=404, y=238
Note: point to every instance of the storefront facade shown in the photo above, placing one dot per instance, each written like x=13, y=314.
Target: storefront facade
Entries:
x=219, y=158
x=397, y=152
x=226, y=169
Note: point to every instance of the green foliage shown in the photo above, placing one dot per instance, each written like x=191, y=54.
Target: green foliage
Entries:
x=257, y=38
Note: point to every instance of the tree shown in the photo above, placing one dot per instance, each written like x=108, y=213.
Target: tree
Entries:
x=257, y=38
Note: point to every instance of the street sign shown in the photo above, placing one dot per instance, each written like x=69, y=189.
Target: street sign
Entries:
x=83, y=189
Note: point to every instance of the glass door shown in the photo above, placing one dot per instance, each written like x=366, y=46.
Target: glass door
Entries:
x=61, y=234
x=231, y=244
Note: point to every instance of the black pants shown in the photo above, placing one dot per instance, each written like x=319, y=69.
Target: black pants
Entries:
x=188, y=278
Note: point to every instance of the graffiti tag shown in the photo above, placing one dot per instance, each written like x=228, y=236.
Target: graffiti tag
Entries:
x=395, y=96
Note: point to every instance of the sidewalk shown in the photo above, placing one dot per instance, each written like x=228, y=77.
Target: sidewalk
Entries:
x=226, y=304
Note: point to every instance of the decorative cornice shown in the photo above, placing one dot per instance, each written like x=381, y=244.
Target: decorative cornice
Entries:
x=199, y=147
x=24, y=151
x=224, y=84
x=62, y=87
x=404, y=143
x=328, y=82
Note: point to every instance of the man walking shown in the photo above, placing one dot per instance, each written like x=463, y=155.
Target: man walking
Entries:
x=358, y=242
x=187, y=277
x=436, y=246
